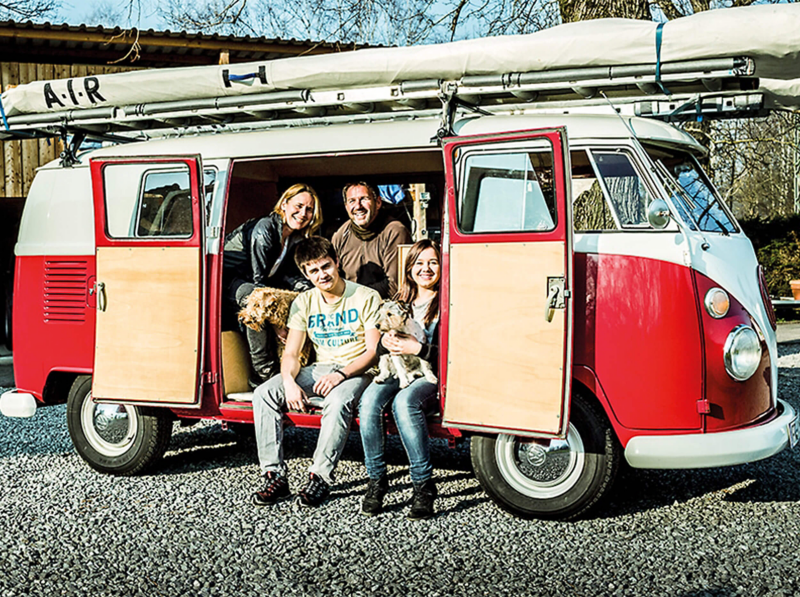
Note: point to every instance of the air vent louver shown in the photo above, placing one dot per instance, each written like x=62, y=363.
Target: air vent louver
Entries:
x=65, y=291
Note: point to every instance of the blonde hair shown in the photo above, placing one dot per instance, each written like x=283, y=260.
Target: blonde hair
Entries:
x=293, y=191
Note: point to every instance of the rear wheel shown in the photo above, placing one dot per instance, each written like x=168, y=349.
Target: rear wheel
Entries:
x=557, y=479
x=115, y=438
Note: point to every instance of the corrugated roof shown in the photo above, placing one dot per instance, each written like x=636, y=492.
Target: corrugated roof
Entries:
x=85, y=44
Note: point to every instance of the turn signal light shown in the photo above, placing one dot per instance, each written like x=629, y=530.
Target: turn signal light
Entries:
x=717, y=303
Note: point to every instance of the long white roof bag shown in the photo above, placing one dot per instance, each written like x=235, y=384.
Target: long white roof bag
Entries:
x=769, y=34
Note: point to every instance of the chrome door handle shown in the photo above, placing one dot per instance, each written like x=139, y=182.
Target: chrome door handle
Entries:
x=101, y=296
x=550, y=305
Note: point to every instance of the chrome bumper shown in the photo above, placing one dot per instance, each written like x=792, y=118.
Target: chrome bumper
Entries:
x=17, y=404
x=705, y=450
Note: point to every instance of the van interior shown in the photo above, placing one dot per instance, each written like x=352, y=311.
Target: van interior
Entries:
x=256, y=185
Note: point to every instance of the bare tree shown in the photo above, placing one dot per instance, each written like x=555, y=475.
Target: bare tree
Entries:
x=28, y=9
x=753, y=163
x=106, y=13
x=213, y=16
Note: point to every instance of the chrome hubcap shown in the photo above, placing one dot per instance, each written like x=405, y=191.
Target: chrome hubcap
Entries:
x=109, y=428
x=541, y=469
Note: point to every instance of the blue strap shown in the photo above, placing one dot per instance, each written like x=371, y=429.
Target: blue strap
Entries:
x=659, y=35
x=242, y=77
x=3, y=114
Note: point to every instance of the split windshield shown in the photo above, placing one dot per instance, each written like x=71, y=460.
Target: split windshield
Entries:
x=695, y=198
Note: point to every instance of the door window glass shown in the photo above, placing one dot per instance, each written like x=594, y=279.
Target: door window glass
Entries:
x=628, y=194
x=143, y=201
x=166, y=205
x=508, y=192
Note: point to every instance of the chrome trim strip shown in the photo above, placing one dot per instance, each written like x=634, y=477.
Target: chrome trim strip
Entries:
x=493, y=430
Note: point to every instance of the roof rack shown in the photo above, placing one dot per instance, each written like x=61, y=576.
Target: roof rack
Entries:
x=710, y=88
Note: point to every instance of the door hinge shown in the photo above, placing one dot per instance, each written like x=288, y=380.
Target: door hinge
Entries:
x=213, y=231
x=703, y=407
x=210, y=377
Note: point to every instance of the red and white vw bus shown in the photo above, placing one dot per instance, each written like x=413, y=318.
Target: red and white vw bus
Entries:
x=599, y=301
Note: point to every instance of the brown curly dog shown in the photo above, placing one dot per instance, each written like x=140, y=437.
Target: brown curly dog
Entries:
x=271, y=306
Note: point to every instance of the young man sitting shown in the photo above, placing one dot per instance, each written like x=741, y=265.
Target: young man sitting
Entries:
x=340, y=318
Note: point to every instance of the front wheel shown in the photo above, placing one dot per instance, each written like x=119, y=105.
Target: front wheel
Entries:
x=555, y=479
x=115, y=438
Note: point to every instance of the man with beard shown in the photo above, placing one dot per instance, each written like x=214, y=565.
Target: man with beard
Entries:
x=367, y=243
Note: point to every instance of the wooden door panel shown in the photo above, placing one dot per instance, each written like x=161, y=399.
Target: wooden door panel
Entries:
x=505, y=360
x=147, y=336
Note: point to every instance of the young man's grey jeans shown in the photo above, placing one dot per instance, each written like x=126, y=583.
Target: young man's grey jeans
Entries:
x=338, y=408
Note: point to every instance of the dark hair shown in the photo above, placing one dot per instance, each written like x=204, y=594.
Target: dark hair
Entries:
x=409, y=291
x=373, y=193
x=313, y=248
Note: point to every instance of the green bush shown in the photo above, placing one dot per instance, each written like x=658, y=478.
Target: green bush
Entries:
x=777, y=246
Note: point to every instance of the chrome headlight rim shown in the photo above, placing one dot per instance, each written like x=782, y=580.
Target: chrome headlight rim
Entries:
x=730, y=342
x=708, y=302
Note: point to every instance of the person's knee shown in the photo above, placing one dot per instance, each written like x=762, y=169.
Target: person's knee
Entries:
x=344, y=402
x=270, y=393
x=406, y=408
x=369, y=404
x=243, y=291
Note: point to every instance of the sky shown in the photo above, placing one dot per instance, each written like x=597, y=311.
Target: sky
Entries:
x=77, y=12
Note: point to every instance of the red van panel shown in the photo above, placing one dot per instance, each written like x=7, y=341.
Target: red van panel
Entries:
x=637, y=328
x=54, y=318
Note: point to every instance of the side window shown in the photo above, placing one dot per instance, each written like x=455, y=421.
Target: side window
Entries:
x=628, y=194
x=143, y=201
x=589, y=207
x=508, y=192
x=165, y=208
x=209, y=183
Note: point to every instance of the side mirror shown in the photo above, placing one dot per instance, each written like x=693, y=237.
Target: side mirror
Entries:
x=658, y=214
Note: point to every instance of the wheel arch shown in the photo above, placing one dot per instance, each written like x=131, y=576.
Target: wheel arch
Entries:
x=57, y=386
x=586, y=382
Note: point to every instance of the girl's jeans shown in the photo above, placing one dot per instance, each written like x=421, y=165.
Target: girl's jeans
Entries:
x=408, y=406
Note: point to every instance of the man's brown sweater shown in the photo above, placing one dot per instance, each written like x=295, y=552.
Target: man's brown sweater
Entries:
x=372, y=263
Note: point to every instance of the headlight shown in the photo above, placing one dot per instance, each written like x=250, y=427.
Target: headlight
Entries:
x=717, y=303
x=742, y=353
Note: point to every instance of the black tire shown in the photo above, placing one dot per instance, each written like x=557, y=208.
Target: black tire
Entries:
x=112, y=438
x=555, y=479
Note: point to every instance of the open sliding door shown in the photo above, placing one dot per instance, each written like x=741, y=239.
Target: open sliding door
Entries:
x=507, y=301
x=150, y=280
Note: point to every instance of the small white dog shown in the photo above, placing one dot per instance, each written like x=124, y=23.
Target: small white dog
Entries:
x=396, y=317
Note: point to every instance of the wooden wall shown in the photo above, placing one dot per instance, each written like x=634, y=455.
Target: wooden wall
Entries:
x=21, y=158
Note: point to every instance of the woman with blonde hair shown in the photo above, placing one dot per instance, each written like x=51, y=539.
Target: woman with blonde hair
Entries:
x=420, y=292
x=260, y=253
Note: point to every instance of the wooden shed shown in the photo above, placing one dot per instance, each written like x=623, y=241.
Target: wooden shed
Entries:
x=39, y=51
x=31, y=51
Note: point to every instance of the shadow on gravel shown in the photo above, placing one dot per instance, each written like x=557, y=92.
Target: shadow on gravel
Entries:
x=207, y=447
x=773, y=480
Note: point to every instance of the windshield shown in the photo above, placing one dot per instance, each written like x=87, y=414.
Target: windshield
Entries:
x=692, y=192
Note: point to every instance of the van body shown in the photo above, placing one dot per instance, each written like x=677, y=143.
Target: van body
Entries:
x=599, y=301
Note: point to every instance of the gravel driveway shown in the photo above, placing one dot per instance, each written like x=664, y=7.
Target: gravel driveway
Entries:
x=188, y=529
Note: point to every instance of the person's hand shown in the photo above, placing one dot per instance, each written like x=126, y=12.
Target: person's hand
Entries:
x=296, y=398
x=401, y=344
x=281, y=333
x=327, y=382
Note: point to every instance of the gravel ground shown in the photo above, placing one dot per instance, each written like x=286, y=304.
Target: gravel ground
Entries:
x=188, y=528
